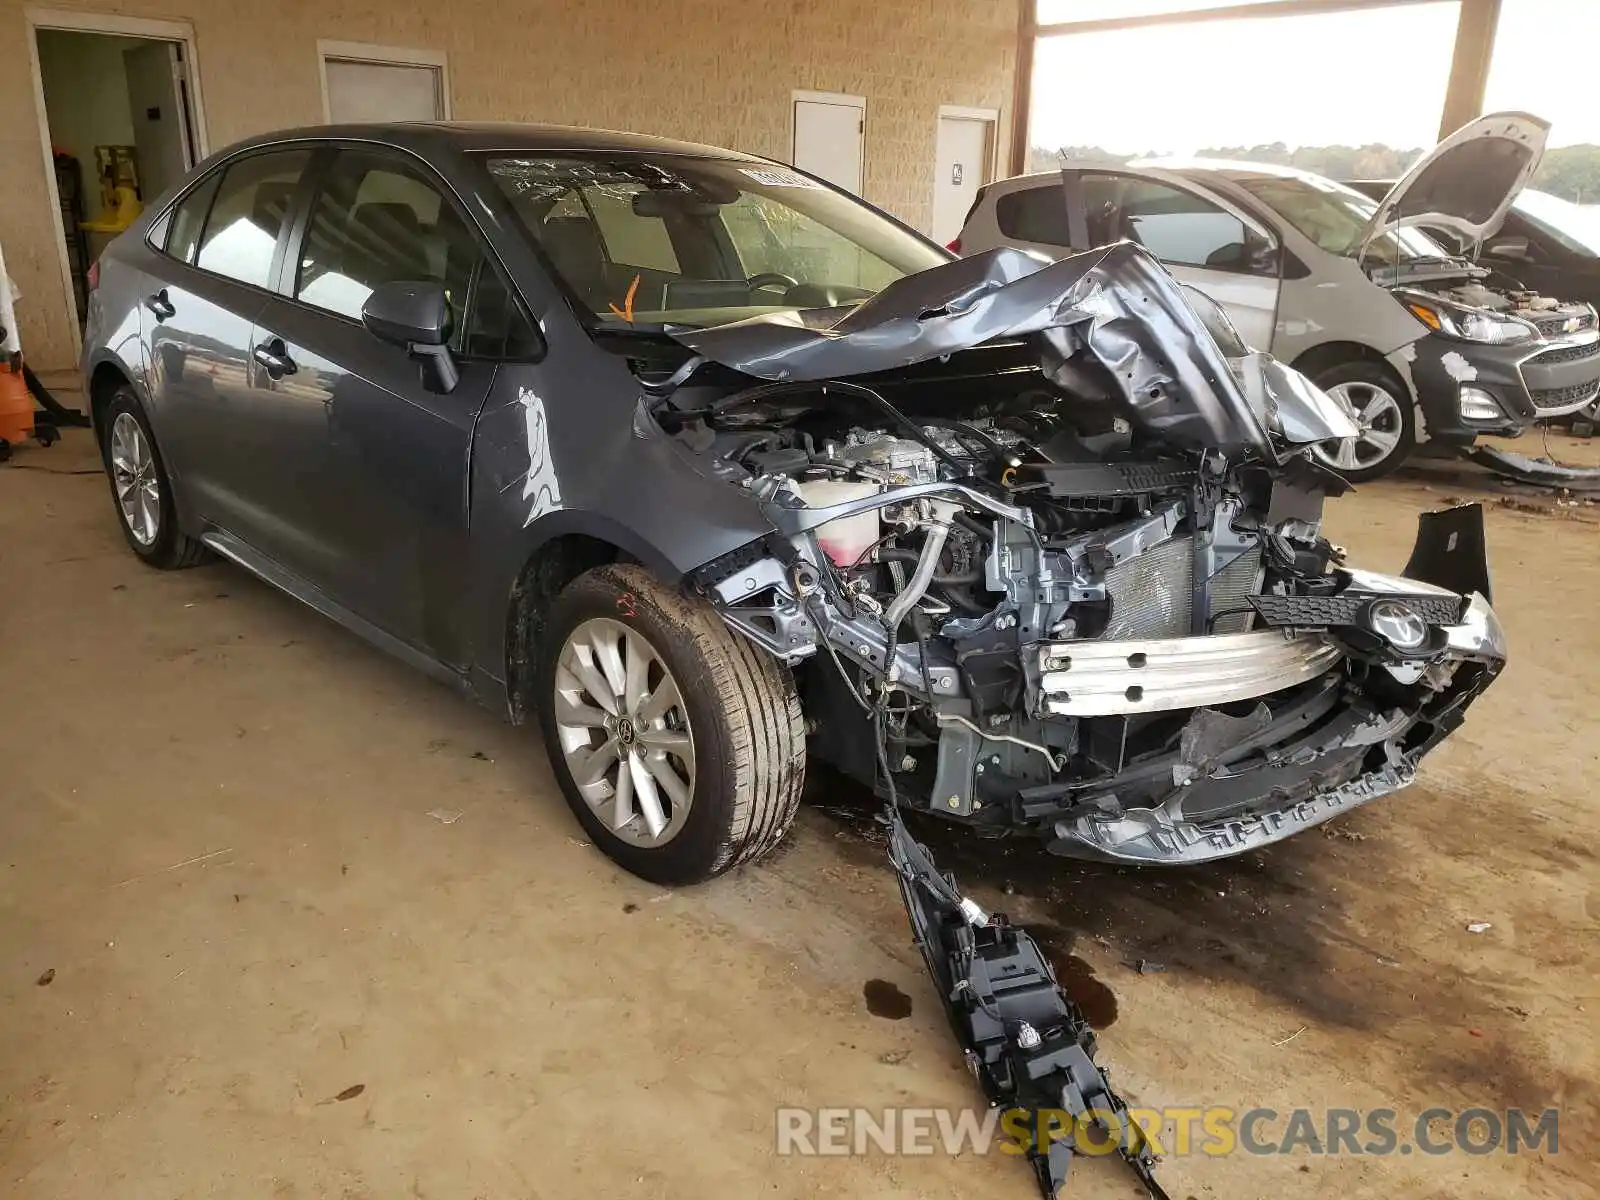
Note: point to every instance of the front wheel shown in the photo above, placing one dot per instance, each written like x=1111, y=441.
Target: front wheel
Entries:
x=678, y=745
x=1384, y=413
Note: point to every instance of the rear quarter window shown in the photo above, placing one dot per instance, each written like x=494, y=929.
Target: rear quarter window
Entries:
x=189, y=219
x=1035, y=214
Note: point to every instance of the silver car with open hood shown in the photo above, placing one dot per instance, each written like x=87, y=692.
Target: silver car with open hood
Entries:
x=1420, y=342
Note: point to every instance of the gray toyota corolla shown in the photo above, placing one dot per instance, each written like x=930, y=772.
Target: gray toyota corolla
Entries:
x=711, y=467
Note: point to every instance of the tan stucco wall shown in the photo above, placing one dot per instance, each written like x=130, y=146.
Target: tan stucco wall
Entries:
x=718, y=71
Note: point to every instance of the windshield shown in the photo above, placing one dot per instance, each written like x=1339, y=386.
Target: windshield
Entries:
x=669, y=239
x=1335, y=218
x=1575, y=226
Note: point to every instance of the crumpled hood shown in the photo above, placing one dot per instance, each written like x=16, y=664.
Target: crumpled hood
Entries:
x=1116, y=302
x=1466, y=183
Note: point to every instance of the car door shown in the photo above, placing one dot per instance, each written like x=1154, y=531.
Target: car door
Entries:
x=222, y=242
x=1201, y=239
x=387, y=488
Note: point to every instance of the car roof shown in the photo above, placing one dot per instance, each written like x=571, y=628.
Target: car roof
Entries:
x=1227, y=167
x=436, y=136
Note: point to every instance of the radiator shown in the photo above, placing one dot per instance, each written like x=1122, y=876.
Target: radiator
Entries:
x=1152, y=595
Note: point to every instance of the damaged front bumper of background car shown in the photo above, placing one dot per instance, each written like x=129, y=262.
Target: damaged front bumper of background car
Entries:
x=1047, y=559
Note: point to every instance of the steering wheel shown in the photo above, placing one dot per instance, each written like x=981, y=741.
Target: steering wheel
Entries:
x=771, y=279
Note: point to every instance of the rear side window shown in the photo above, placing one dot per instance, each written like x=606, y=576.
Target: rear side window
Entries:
x=251, y=206
x=189, y=218
x=1035, y=214
x=379, y=220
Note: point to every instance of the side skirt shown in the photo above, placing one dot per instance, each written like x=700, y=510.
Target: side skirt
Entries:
x=231, y=548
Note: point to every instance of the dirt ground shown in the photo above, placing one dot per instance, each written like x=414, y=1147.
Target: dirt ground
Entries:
x=248, y=947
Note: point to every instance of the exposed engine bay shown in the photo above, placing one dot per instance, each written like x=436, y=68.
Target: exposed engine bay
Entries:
x=1549, y=316
x=1072, y=582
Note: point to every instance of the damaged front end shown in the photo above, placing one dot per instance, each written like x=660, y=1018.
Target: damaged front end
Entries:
x=1047, y=557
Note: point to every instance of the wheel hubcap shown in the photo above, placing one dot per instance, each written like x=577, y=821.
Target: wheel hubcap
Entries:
x=1381, y=423
x=133, y=474
x=624, y=732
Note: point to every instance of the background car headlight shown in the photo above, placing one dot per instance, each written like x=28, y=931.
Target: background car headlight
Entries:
x=1468, y=324
x=1397, y=624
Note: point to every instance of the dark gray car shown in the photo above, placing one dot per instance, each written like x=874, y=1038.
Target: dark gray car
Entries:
x=711, y=466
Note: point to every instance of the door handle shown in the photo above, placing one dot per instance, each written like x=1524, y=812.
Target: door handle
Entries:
x=274, y=356
x=160, y=305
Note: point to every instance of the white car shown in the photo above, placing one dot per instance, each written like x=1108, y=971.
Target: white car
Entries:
x=1347, y=290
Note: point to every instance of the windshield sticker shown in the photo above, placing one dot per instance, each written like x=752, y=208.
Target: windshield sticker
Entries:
x=778, y=177
x=542, y=486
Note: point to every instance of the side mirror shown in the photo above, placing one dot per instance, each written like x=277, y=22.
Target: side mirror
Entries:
x=406, y=313
x=1514, y=248
x=416, y=316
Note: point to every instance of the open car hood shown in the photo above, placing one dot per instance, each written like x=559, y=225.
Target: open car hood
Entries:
x=1116, y=302
x=1467, y=182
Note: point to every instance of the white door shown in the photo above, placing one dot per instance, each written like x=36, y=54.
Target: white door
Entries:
x=156, y=109
x=829, y=136
x=372, y=91
x=961, y=167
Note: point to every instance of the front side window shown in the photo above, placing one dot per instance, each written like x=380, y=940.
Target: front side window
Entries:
x=700, y=241
x=251, y=205
x=1035, y=214
x=1177, y=226
x=378, y=220
x=1335, y=217
x=496, y=326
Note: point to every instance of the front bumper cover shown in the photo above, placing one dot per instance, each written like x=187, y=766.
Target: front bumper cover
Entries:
x=1529, y=383
x=1298, y=776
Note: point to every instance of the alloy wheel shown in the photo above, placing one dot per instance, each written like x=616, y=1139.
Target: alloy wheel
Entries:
x=624, y=732
x=133, y=474
x=1381, y=423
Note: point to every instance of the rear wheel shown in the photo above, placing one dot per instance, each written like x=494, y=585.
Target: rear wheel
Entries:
x=1382, y=410
x=678, y=745
x=141, y=488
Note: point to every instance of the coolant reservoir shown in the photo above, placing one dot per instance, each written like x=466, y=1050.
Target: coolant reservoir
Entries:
x=844, y=541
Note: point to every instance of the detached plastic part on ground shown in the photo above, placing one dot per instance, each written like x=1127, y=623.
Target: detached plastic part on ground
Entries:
x=1028, y=1044
x=1540, y=472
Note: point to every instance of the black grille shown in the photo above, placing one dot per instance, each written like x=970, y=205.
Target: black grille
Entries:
x=1331, y=611
x=1545, y=398
x=1554, y=326
x=1563, y=354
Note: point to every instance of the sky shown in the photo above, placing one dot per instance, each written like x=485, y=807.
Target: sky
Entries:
x=1339, y=78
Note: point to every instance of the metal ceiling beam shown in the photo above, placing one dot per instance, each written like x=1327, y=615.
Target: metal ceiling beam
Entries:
x=1230, y=12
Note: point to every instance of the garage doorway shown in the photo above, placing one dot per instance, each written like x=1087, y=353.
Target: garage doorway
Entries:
x=830, y=131
x=361, y=82
x=963, y=163
x=119, y=124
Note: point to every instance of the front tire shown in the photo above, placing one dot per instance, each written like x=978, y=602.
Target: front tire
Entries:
x=678, y=745
x=142, y=489
x=1383, y=410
